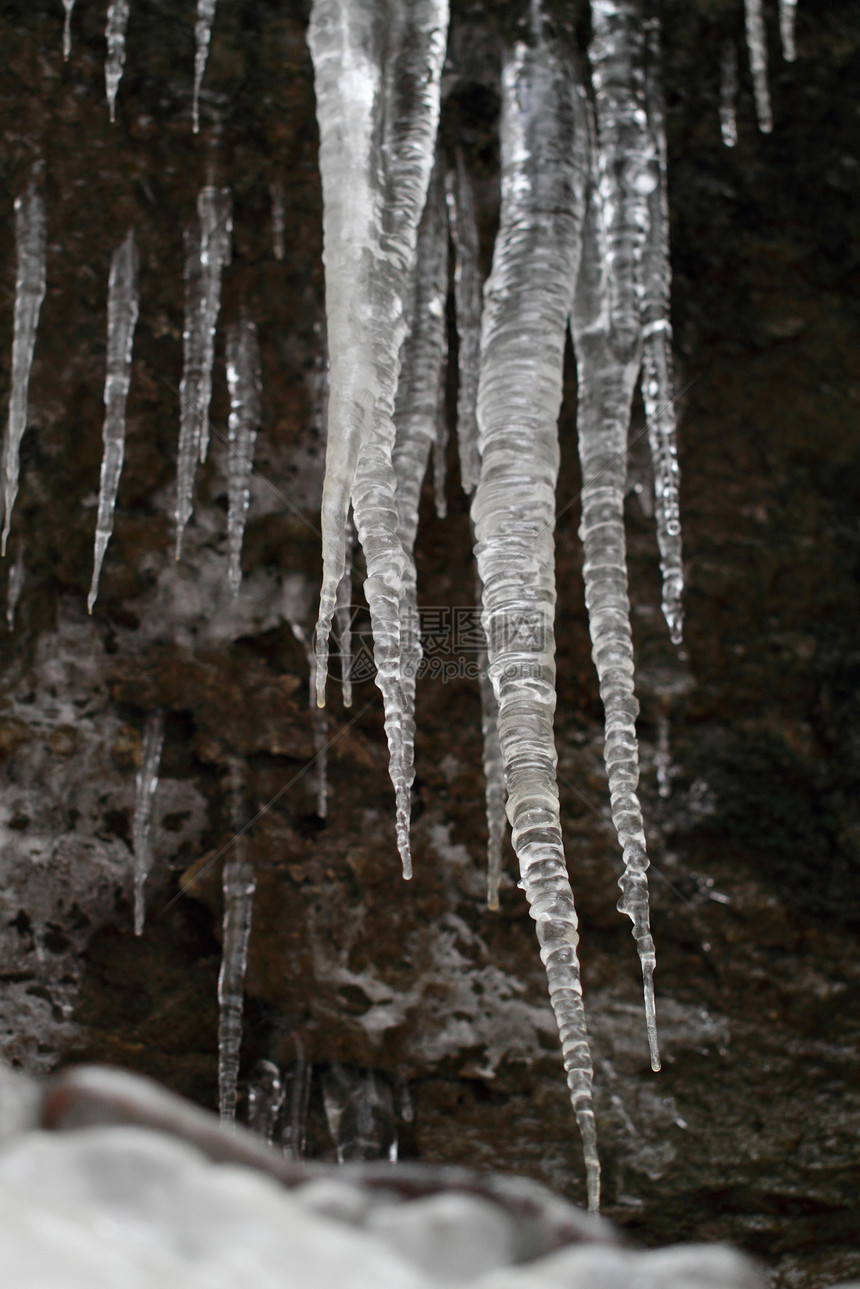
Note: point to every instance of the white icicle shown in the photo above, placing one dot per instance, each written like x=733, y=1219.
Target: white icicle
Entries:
x=467, y=300
x=68, y=5
x=526, y=306
x=377, y=72
x=319, y=722
x=728, y=94
x=29, y=294
x=265, y=1097
x=787, y=15
x=144, y=803
x=245, y=385
x=202, y=36
x=207, y=251
x=343, y=617
x=238, y=883
x=276, y=192
x=16, y=585
x=757, y=49
x=123, y=306
x=607, y=340
x=494, y=779
x=117, y=22
x=658, y=386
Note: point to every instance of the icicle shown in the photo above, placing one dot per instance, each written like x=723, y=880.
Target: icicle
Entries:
x=658, y=391
x=266, y=1093
x=728, y=94
x=29, y=294
x=319, y=723
x=377, y=79
x=360, y=1114
x=343, y=617
x=787, y=15
x=526, y=306
x=117, y=22
x=244, y=382
x=607, y=341
x=239, y=884
x=757, y=49
x=206, y=254
x=276, y=191
x=494, y=779
x=68, y=5
x=418, y=413
x=297, y=1081
x=16, y=585
x=144, y=803
x=662, y=757
x=467, y=299
x=123, y=308
x=202, y=35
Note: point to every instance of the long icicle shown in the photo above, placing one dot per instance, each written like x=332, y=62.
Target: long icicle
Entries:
x=202, y=36
x=68, y=5
x=117, y=22
x=526, y=306
x=245, y=386
x=787, y=16
x=239, y=884
x=29, y=294
x=658, y=386
x=757, y=49
x=728, y=94
x=606, y=329
x=144, y=804
x=467, y=304
x=207, y=251
x=494, y=775
x=123, y=308
x=377, y=72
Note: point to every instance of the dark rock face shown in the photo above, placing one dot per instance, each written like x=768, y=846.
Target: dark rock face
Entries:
x=749, y=1133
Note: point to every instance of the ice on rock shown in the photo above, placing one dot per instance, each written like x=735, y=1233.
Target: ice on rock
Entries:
x=245, y=385
x=123, y=308
x=29, y=294
x=467, y=303
x=207, y=251
x=360, y=1114
x=377, y=71
x=787, y=16
x=757, y=49
x=607, y=341
x=144, y=804
x=527, y=301
x=728, y=94
x=117, y=22
x=297, y=1091
x=276, y=192
x=239, y=883
x=202, y=36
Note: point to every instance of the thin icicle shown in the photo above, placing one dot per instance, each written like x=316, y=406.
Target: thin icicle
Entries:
x=144, y=804
x=29, y=294
x=319, y=722
x=526, y=306
x=494, y=778
x=658, y=386
x=245, y=384
x=276, y=192
x=16, y=585
x=68, y=5
x=377, y=76
x=418, y=413
x=123, y=307
x=265, y=1097
x=297, y=1078
x=238, y=883
x=662, y=755
x=343, y=617
x=467, y=300
x=117, y=22
x=202, y=36
x=207, y=251
x=757, y=49
x=787, y=16
x=607, y=340
x=728, y=94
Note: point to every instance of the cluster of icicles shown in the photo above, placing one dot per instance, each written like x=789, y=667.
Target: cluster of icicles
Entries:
x=582, y=244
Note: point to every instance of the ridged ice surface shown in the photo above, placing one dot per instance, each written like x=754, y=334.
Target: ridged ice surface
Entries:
x=658, y=385
x=29, y=294
x=207, y=251
x=144, y=804
x=377, y=70
x=787, y=16
x=728, y=94
x=343, y=619
x=117, y=22
x=607, y=340
x=526, y=306
x=467, y=303
x=419, y=409
x=123, y=309
x=244, y=382
x=238, y=883
x=202, y=37
x=68, y=5
x=757, y=49
x=494, y=778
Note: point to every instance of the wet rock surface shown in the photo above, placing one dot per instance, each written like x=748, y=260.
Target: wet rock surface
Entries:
x=748, y=735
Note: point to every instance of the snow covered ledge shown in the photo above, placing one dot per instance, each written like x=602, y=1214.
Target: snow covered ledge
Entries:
x=107, y=1180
